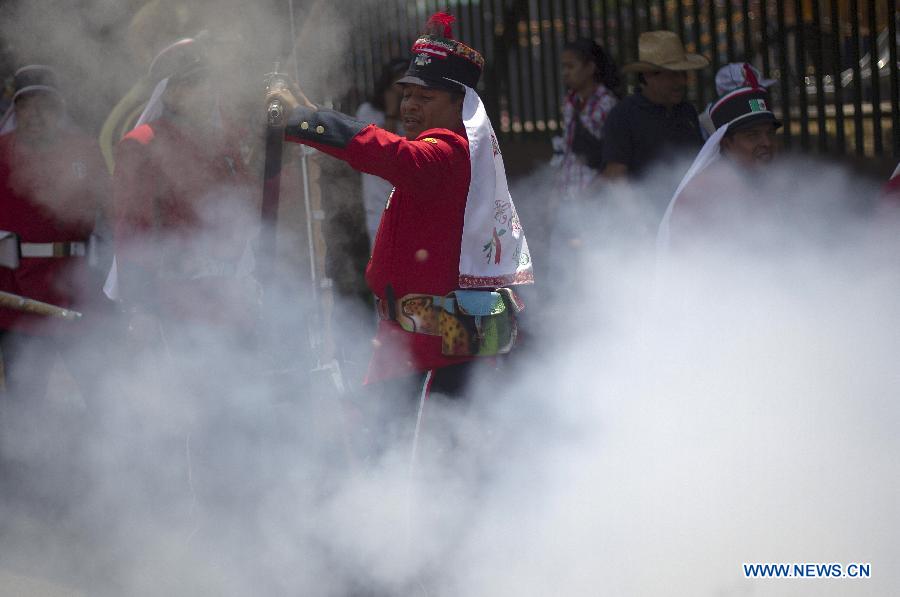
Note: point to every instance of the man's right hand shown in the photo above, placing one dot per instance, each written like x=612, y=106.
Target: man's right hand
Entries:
x=290, y=99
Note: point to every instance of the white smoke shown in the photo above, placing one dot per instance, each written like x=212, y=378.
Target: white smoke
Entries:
x=658, y=429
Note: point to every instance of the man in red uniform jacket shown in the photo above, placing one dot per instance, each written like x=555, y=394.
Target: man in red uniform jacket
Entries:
x=420, y=247
x=181, y=198
x=52, y=189
x=183, y=205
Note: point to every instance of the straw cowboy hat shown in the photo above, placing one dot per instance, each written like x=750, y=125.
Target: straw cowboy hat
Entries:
x=662, y=50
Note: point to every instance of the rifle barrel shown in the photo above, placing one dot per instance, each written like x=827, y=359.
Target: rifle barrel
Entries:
x=21, y=303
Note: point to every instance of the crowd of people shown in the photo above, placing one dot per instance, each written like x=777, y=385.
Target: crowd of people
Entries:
x=609, y=138
x=149, y=231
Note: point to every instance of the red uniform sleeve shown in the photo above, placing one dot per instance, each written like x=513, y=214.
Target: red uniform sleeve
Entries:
x=401, y=162
x=367, y=148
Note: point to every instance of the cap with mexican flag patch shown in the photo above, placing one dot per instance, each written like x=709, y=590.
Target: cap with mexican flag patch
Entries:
x=743, y=107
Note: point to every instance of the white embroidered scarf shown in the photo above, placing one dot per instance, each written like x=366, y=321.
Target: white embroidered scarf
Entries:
x=494, y=251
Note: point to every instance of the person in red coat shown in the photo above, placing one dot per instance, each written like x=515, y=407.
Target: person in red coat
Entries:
x=184, y=209
x=448, y=225
x=53, y=188
x=181, y=201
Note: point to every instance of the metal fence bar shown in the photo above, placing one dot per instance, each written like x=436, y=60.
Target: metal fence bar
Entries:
x=604, y=33
x=785, y=77
x=557, y=56
x=460, y=26
x=819, y=66
x=837, y=68
x=546, y=77
x=875, y=80
x=747, y=31
x=592, y=25
x=764, y=36
x=857, y=78
x=620, y=33
x=524, y=57
x=577, y=15
x=634, y=29
x=567, y=21
x=712, y=24
x=532, y=102
x=400, y=47
x=893, y=76
x=800, y=57
x=698, y=48
x=729, y=31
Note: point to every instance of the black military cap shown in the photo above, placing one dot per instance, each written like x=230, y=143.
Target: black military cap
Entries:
x=743, y=107
x=441, y=62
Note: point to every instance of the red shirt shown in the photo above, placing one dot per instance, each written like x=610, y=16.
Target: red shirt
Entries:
x=178, y=205
x=51, y=194
x=418, y=241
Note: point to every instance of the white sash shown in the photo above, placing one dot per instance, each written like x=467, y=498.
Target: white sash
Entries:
x=494, y=251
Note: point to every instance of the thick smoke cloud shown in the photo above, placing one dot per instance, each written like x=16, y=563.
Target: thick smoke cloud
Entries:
x=672, y=420
x=726, y=407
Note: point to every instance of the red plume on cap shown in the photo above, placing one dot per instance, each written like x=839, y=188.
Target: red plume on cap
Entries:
x=750, y=79
x=440, y=24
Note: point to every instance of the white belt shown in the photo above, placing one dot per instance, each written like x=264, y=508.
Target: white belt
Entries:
x=73, y=249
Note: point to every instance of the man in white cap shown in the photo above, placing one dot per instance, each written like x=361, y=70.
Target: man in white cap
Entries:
x=721, y=192
x=733, y=75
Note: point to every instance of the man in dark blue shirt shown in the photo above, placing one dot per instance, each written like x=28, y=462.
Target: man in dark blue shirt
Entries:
x=656, y=122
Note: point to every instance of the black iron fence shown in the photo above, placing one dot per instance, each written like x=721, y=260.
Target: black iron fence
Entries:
x=835, y=61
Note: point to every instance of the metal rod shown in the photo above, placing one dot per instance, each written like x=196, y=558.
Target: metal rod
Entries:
x=620, y=34
x=857, y=79
x=800, y=57
x=679, y=19
x=713, y=36
x=528, y=77
x=819, y=66
x=764, y=36
x=729, y=32
x=604, y=25
x=747, y=29
x=875, y=80
x=545, y=76
x=555, y=77
x=837, y=68
x=577, y=15
x=784, y=71
x=517, y=109
x=698, y=46
x=635, y=28
x=592, y=27
x=894, y=78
